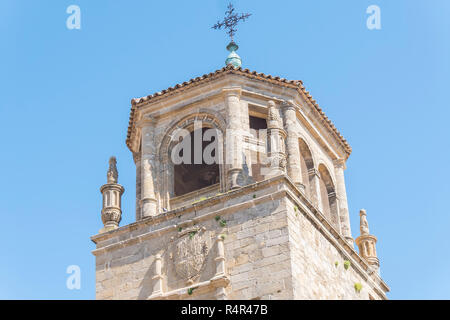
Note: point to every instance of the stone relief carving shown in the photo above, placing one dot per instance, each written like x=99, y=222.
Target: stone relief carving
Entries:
x=189, y=251
x=273, y=116
x=111, y=215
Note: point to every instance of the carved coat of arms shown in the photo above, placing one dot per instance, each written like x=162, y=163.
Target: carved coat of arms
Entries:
x=189, y=253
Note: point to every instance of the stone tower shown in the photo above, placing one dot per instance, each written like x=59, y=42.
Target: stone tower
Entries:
x=240, y=194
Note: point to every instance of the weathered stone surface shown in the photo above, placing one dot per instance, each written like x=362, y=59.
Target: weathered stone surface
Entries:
x=281, y=253
x=254, y=234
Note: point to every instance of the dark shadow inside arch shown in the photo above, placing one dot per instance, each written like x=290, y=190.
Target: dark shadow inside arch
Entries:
x=189, y=177
x=328, y=196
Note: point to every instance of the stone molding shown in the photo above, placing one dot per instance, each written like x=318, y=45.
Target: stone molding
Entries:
x=286, y=188
x=220, y=74
x=215, y=121
x=218, y=282
x=202, y=287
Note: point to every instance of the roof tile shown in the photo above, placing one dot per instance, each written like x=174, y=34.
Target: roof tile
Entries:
x=246, y=72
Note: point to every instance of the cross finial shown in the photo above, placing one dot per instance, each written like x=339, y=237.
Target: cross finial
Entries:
x=231, y=21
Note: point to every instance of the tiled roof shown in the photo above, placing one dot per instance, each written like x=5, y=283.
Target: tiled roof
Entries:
x=296, y=84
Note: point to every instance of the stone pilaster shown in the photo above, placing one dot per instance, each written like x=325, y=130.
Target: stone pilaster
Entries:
x=316, y=195
x=344, y=217
x=157, y=287
x=112, y=193
x=137, y=162
x=275, y=141
x=148, y=168
x=234, y=136
x=292, y=147
x=220, y=267
x=220, y=259
x=367, y=242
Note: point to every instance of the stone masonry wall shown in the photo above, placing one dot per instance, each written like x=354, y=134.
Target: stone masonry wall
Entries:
x=272, y=251
x=314, y=270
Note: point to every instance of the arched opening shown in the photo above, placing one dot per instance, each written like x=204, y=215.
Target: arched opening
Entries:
x=328, y=196
x=196, y=167
x=166, y=175
x=307, y=166
x=257, y=150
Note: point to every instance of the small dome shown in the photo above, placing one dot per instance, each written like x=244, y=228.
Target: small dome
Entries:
x=233, y=58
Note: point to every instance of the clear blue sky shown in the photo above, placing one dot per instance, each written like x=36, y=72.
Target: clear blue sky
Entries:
x=65, y=100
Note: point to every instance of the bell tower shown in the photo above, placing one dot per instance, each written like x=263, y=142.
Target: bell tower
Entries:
x=240, y=194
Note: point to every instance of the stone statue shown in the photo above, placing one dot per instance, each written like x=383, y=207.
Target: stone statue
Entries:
x=273, y=117
x=363, y=224
x=112, y=174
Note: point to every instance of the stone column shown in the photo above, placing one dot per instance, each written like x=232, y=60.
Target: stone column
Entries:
x=367, y=242
x=334, y=205
x=275, y=142
x=220, y=267
x=220, y=259
x=157, y=287
x=148, y=166
x=112, y=193
x=316, y=195
x=339, y=167
x=234, y=136
x=137, y=162
x=292, y=147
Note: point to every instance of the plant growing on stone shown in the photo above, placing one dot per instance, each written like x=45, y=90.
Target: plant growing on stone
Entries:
x=192, y=234
x=179, y=229
x=200, y=200
x=346, y=264
x=191, y=291
x=358, y=287
x=223, y=223
x=336, y=264
x=254, y=196
x=223, y=236
x=217, y=218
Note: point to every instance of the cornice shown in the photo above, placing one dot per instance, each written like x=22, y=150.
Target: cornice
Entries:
x=293, y=84
x=290, y=190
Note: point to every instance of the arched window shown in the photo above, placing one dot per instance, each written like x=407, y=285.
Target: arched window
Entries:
x=328, y=196
x=307, y=166
x=197, y=172
x=180, y=182
x=257, y=152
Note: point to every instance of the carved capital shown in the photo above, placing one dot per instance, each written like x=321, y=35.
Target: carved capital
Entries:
x=288, y=106
x=136, y=157
x=313, y=172
x=273, y=116
x=232, y=91
x=111, y=216
x=146, y=122
x=340, y=164
x=332, y=195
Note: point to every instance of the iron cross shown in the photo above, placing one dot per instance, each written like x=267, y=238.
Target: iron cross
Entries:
x=231, y=20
